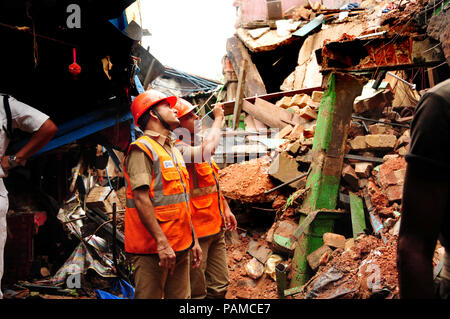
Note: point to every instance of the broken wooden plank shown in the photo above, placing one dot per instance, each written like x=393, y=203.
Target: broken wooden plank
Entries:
x=253, y=83
x=281, y=116
x=239, y=95
x=268, y=41
x=237, y=52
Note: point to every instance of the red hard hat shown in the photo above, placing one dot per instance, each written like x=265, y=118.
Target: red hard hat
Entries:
x=183, y=107
x=147, y=99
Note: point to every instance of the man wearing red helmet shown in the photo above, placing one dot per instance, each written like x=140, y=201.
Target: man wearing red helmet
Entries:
x=211, y=215
x=158, y=226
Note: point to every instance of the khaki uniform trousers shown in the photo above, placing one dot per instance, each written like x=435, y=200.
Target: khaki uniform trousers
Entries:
x=211, y=279
x=154, y=282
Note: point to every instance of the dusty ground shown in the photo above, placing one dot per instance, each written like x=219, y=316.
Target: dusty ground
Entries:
x=241, y=285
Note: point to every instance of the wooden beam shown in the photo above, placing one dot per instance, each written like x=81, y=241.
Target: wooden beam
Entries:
x=266, y=116
x=237, y=52
x=253, y=84
x=239, y=95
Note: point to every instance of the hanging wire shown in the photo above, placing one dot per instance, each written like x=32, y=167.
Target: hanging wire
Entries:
x=216, y=103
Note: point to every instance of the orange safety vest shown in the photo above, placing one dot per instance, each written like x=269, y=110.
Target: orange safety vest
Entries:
x=169, y=194
x=206, y=199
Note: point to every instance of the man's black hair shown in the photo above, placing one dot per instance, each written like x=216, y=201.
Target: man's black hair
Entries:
x=145, y=117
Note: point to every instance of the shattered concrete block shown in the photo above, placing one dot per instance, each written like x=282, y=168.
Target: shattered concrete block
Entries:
x=284, y=168
x=396, y=229
x=358, y=143
x=334, y=240
x=349, y=175
x=380, y=141
x=316, y=96
x=314, y=259
x=296, y=132
x=372, y=102
x=363, y=169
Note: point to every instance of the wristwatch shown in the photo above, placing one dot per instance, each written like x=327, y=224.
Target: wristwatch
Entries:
x=12, y=161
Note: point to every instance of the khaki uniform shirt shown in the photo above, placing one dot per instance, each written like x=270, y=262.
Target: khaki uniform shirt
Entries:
x=138, y=165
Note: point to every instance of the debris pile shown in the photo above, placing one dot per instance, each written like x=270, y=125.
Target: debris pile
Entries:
x=91, y=221
x=337, y=161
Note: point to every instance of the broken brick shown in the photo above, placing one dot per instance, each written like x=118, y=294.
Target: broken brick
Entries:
x=284, y=132
x=308, y=113
x=296, y=132
x=380, y=141
x=301, y=100
x=314, y=259
x=358, y=143
x=349, y=175
x=334, y=240
x=363, y=169
x=293, y=147
x=316, y=96
x=394, y=193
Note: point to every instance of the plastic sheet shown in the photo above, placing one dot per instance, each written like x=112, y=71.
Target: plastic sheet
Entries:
x=118, y=285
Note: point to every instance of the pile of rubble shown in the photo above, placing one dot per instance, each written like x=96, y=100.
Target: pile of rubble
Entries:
x=358, y=260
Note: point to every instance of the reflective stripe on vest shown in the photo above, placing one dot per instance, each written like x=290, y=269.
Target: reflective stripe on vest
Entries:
x=168, y=194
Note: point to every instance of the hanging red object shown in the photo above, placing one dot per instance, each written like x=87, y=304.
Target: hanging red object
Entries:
x=74, y=68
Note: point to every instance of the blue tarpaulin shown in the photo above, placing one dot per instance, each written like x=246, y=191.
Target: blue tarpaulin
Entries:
x=118, y=286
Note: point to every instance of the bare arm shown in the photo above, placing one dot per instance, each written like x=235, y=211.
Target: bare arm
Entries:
x=38, y=140
x=424, y=204
x=230, y=219
x=147, y=215
x=210, y=144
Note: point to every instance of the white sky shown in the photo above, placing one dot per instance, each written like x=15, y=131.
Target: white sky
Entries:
x=189, y=35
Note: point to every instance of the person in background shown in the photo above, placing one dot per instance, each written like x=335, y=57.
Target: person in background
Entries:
x=211, y=215
x=15, y=114
x=426, y=198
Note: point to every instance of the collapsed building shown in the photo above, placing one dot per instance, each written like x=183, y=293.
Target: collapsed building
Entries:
x=339, y=85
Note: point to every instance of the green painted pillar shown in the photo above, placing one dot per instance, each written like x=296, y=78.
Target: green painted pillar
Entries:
x=332, y=127
x=358, y=217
